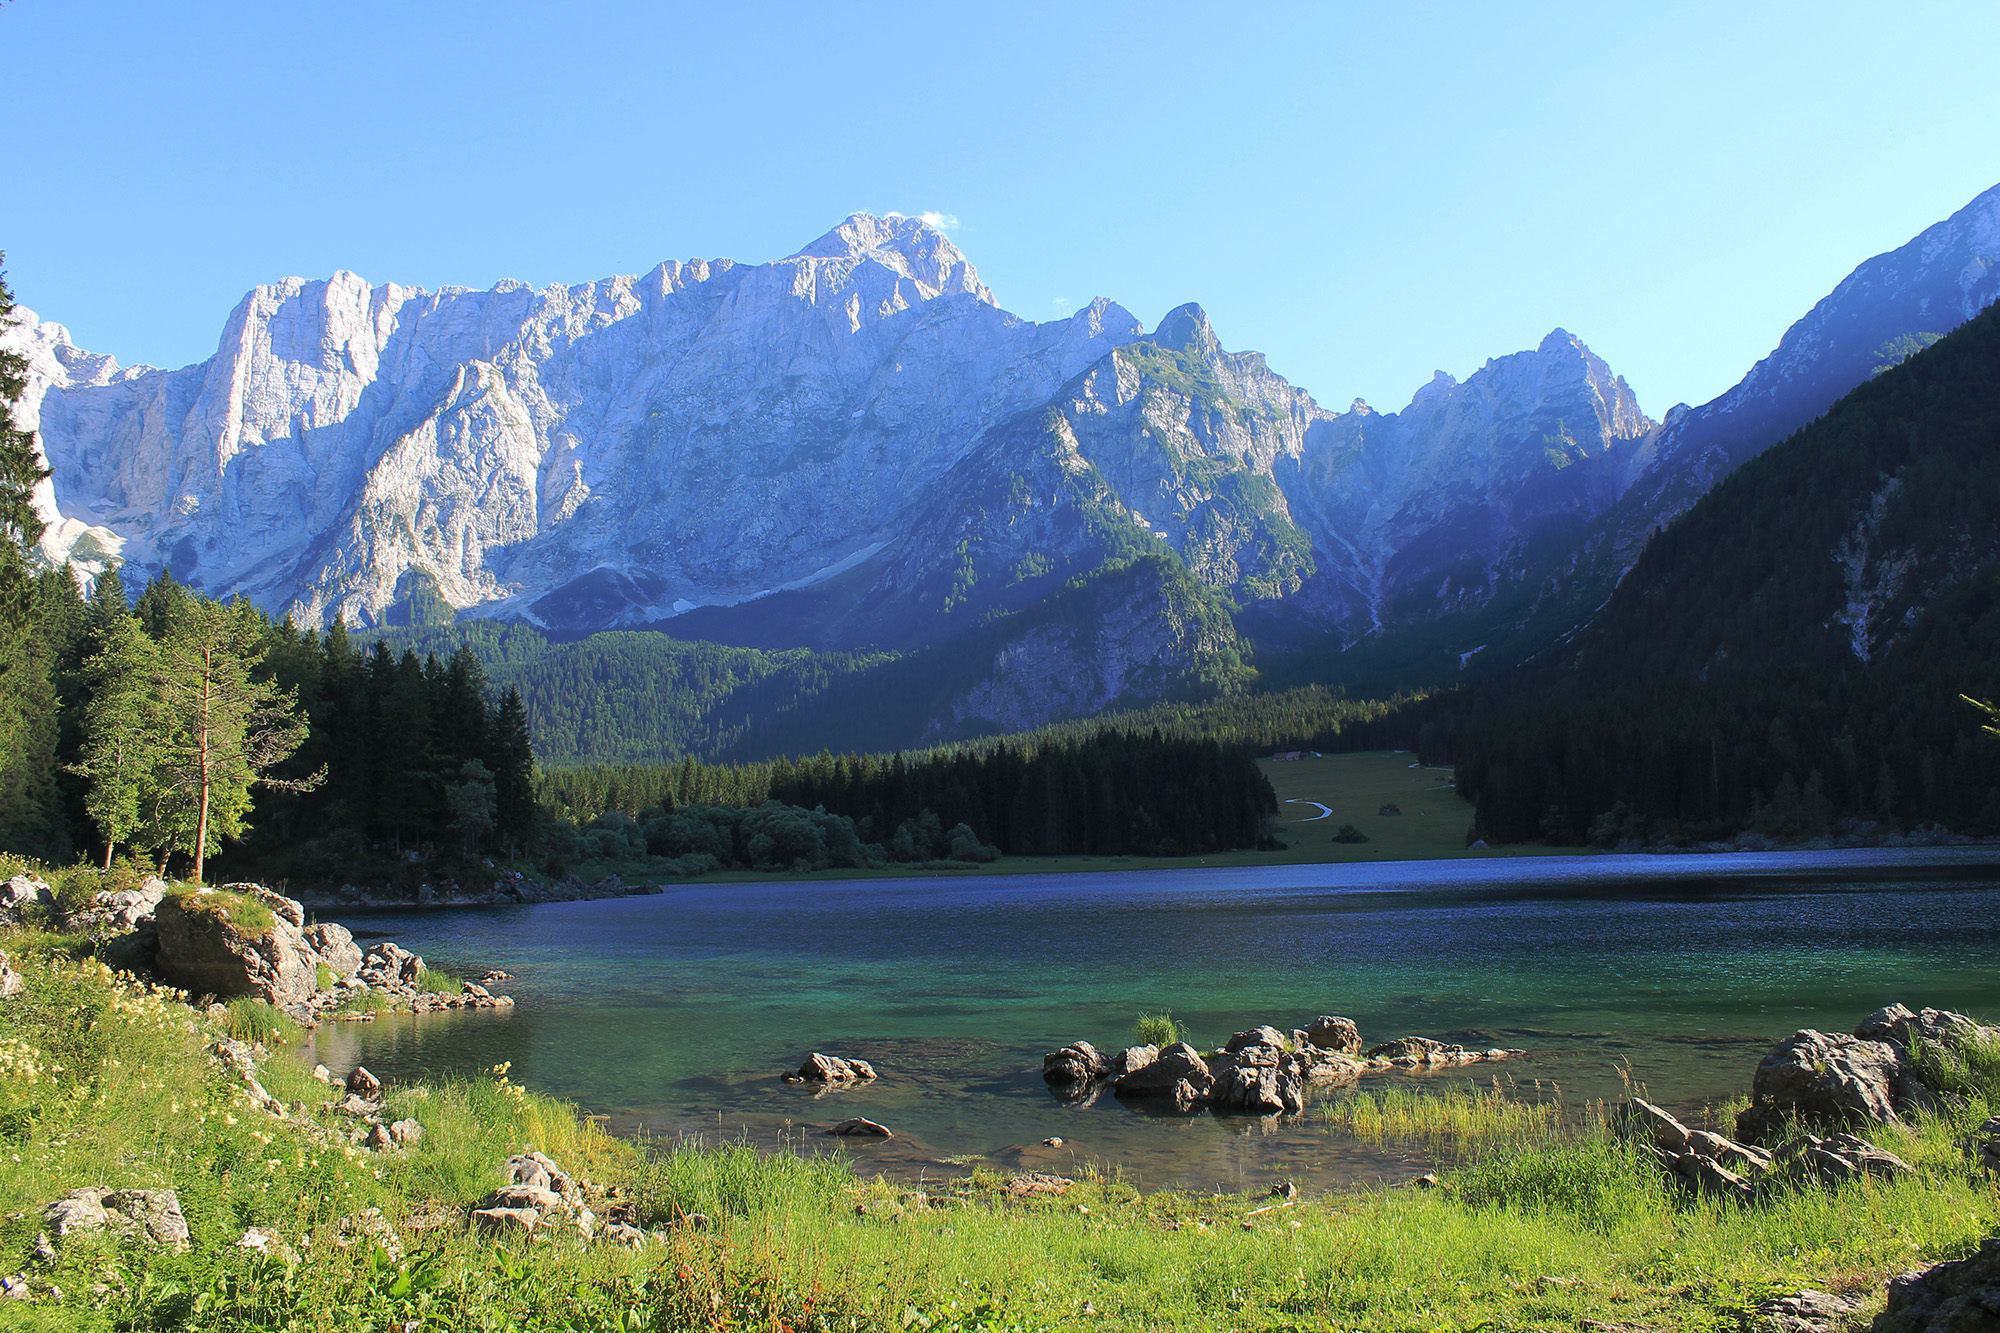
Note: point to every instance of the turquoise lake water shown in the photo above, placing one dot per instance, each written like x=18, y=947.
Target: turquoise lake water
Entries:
x=678, y=1013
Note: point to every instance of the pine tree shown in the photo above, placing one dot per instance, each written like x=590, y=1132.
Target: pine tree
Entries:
x=513, y=767
x=225, y=728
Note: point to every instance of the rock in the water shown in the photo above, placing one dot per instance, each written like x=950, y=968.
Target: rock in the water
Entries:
x=1079, y=1062
x=820, y=1068
x=1958, y=1297
x=1257, y=1036
x=858, y=1128
x=1131, y=1058
x=1157, y=1077
x=151, y=1216
x=1331, y=1033
x=389, y=966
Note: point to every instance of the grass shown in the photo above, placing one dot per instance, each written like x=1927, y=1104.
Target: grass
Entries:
x=106, y=1082
x=243, y=912
x=1161, y=1029
x=1455, y=1115
x=435, y=981
x=259, y=1021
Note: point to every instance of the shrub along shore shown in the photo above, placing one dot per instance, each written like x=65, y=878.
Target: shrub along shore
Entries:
x=1539, y=1221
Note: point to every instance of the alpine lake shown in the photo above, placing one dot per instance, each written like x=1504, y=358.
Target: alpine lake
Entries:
x=678, y=1014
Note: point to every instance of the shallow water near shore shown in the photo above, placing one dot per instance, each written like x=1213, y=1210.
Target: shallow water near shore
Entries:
x=678, y=1013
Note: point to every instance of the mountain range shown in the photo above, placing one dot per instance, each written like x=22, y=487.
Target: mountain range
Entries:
x=856, y=448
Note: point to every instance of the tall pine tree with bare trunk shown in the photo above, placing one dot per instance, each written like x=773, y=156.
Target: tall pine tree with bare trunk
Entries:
x=225, y=727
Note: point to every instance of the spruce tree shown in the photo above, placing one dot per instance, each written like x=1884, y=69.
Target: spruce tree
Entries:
x=122, y=726
x=513, y=767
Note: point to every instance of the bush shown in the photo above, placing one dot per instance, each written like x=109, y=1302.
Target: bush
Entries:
x=1160, y=1029
x=1349, y=833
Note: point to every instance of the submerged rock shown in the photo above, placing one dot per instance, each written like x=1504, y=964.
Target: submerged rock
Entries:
x=859, y=1128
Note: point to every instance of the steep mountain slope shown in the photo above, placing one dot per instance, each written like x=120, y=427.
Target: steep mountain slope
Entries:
x=1791, y=651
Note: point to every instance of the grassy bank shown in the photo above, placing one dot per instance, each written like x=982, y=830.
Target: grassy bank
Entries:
x=105, y=1082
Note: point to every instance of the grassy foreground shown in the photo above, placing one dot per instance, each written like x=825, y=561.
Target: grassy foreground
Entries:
x=106, y=1082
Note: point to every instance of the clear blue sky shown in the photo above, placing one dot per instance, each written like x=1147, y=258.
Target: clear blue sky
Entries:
x=1364, y=192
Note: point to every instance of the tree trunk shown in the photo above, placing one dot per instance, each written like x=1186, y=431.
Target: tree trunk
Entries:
x=202, y=758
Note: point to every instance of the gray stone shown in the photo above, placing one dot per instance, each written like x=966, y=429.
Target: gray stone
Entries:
x=1157, y=1078
x=405, y=1132
x=1804, y=1312
x=1958, y=1297
x=1642, y=1119
x=150, y=1216
x=264, y=1241
x=205, y=953
x=1079, y=1062
x=364, y=1084
x=336, y=948
x=22, y=894
x=1845, y=1157
x=1824, y=1078
x=11, y=982
x=1131, y=1058
x=1331, y=1033
x=1257, y=1036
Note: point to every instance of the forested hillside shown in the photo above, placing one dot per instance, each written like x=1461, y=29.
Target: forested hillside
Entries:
x=1790, y=654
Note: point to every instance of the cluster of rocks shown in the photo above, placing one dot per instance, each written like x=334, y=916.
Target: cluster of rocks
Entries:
x=362, y=1103
x=540, y=1198
x=1709, y=1164
x=1259, y=1071
x=206, y=943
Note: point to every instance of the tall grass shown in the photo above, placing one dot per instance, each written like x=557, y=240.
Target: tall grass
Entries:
x=252, y=1020
x=1160, y=1029
x=1458, y=1114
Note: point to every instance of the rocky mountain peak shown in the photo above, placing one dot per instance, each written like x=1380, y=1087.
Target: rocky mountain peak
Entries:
x=1187, y=328
x=912, y=247
x=1560, y=339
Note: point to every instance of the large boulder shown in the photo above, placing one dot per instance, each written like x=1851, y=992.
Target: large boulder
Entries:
x=228, y=942
x=1958, y=1297
x=1330, y=1033
x=1829, y=1079
x=1079, y=1062
x=22, y=894
x=1257, y=1036
x=390, y=967
x=819, y=1068
x=1258, y=1080
x=1898, y=1024
x=151, y=1216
